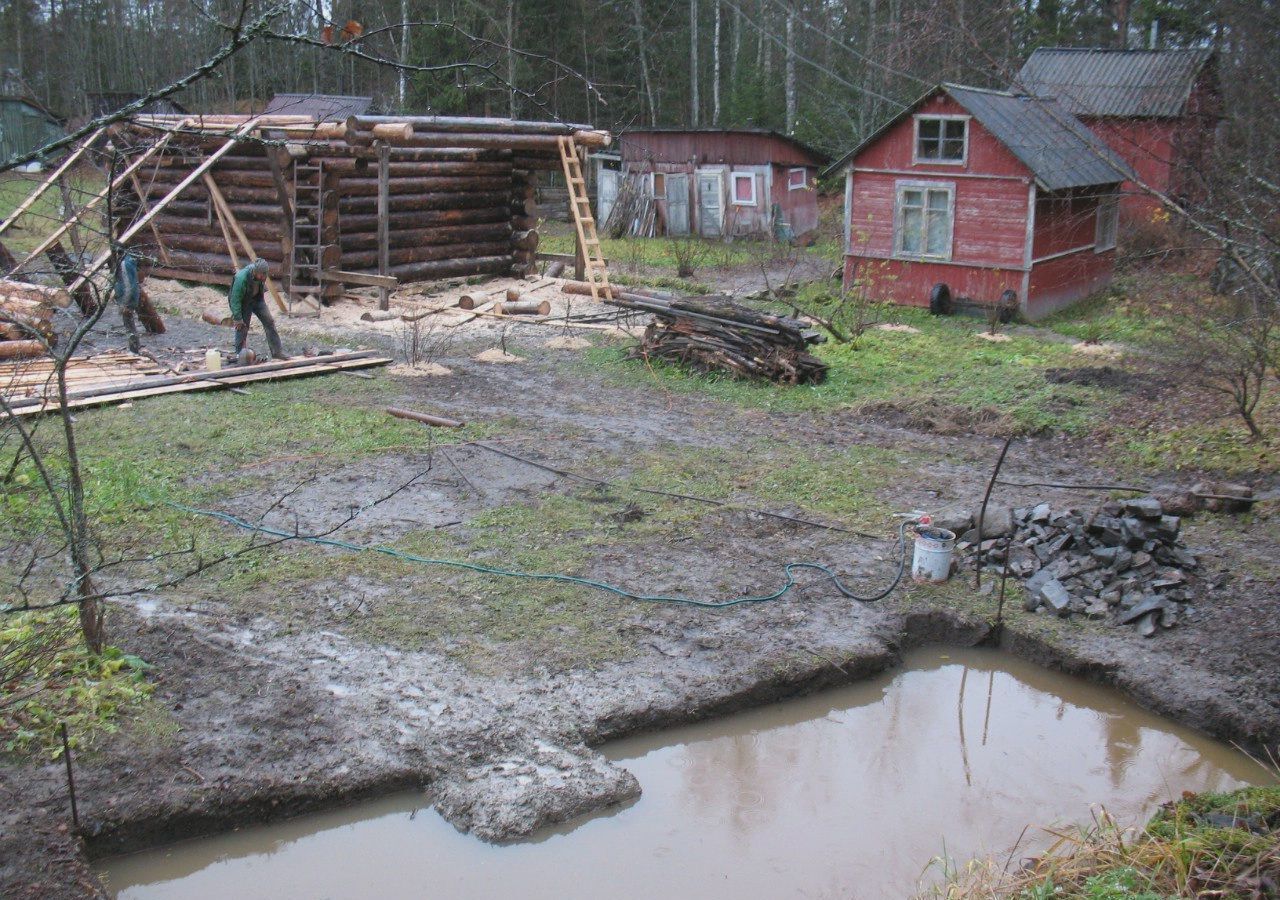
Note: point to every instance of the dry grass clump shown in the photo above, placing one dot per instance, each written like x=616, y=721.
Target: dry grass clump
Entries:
x=1201, y=846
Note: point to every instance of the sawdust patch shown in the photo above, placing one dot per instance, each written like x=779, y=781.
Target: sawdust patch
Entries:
x=1105, y=349
x=994, y=338
x=567, y=343
x=904, y=329
x=422, y=370
x=497, y=355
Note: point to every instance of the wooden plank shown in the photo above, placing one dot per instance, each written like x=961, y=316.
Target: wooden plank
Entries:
x=315, y=368
x=93, y=202
x=51, y=180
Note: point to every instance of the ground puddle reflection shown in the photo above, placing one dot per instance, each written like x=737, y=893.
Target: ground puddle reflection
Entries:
x=846, y=794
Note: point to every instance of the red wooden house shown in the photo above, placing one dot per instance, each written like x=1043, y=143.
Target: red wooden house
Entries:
x=1157, y=109
x=721, y=182
x=986, y=192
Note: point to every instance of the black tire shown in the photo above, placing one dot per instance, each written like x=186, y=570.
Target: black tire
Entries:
x=940, y=300
x=1008, y=306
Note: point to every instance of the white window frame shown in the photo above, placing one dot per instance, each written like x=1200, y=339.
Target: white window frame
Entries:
x=804, y=175
x=653, y=185
x=899, y=188
x=1108, y=219
x=915, y=140
x=733, y=189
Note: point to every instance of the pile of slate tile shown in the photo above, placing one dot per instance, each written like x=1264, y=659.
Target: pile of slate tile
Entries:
x=1123, y=562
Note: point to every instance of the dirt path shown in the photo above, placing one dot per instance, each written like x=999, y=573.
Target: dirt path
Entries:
x=359, y=677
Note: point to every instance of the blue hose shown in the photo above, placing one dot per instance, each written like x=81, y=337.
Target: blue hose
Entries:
x=789, y=569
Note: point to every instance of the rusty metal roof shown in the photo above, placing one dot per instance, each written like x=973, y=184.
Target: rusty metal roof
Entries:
x=322, y=107
x=1125, y=83
x=1056, y=146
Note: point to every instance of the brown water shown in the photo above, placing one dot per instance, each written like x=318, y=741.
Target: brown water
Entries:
x=850, y=794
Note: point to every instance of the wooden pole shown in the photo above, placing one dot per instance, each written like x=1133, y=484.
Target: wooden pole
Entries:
x=384, y=212
x=424, y=418
x=51, y=180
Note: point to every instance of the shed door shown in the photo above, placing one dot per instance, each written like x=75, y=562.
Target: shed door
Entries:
x=606, y=193
x=677, y=204
x=710, y=204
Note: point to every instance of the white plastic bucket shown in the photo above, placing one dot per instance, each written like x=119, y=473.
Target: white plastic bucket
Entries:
x=932, y=560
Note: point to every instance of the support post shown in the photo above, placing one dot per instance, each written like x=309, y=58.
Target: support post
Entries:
x=579, y=257
x=384, y=215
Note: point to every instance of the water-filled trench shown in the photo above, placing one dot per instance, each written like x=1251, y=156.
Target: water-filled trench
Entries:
x=848, y=793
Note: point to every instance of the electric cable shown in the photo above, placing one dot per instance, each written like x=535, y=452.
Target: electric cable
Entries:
x=789, y=569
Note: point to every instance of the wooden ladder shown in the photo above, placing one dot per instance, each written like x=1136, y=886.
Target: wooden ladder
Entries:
x=304, y=260
x=597, y=273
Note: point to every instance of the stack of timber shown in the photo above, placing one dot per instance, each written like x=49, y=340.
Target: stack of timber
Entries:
x=412, y=197
x=31, y=387
x=715, y=334
x=26, y=318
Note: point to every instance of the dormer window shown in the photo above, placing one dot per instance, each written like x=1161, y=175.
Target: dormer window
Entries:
x=942, y=139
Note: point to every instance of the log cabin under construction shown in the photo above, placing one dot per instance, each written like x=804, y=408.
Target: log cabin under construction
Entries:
x=331, y=203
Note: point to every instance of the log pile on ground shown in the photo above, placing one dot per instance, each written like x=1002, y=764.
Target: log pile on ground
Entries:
x=715, y=334
x=26, y=317
x=1123, y=563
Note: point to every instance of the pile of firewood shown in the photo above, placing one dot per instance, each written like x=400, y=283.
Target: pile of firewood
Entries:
x=26, y=317
x=715, y=334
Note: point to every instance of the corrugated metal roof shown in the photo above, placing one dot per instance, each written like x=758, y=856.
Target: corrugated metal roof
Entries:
x=1056, y=146
x=323, y=107
x=1125, y=83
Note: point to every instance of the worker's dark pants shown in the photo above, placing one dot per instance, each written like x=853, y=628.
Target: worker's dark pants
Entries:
x=129, y=314
x=259, y=308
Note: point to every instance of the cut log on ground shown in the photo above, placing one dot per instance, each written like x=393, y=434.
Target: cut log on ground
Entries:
x=523, y=308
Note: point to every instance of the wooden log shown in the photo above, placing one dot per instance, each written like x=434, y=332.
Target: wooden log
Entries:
x=362, y=223
x=367, y=187
x=536, y=163
x=21, y=349
x=343, y=277
x=69, y=273
x=362, y=259
x=467, y=124
x=424, y=418
x=467, y=301
x=556, y=269
x=379, y=315
x=390, y=131
x=226, y=177
x=448, y=268
x=512, y=295
x=186, y=264
x=360, y=167
x=524, y=223
x=217, y=317
x=39, y=293
x=210, y=244
x=522, y=308
x=174, y=225
x=465, y=139
x=148, y=315
x=413, y=237
x=413, y=202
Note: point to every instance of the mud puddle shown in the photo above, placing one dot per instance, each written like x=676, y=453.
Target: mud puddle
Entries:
x=850, y=793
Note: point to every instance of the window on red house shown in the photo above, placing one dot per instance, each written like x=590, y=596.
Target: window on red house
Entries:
x=744, y=189
x=797, y=179
x=940, y=139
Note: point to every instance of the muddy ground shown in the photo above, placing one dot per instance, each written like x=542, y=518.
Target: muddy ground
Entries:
x=348, y=680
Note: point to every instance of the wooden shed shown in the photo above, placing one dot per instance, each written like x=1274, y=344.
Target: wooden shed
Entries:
x=717, y=182
x=1157, y=109
x=25, y=125
x=985, y=192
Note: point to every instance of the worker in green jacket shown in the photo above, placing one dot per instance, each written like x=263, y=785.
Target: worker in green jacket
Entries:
x=247, y=300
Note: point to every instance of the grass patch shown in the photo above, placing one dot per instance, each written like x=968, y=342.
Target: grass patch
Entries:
x=1204, y=845
x=944, y=368
x=36, y=223
x=1223, y=447
x=48, y=677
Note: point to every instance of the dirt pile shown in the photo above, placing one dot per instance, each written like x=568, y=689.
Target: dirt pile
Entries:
x=1123, y=562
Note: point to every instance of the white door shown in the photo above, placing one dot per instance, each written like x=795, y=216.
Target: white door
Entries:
x=710, y=204
x=677, y=204
x=606, y=193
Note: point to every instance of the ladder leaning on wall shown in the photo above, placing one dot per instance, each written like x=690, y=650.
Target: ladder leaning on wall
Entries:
x=597, y=273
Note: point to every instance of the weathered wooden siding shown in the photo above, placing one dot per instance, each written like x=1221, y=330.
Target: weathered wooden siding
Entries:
x=1148, y=146
x=1066, y=220
x=712, y=147
x=799, y=207
x=909, y=283
x=1062, y=281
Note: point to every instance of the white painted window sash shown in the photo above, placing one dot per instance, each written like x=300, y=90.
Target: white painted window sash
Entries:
x=733, y=188
x=899, y=228
x=917, y=159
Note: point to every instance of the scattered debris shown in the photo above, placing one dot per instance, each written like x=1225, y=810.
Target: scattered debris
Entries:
x=1124, y=562
x=497, y=355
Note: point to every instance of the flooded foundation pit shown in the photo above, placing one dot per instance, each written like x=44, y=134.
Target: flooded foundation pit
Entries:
x=849, y=793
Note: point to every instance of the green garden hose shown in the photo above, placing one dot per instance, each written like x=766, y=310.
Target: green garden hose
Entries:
x=789, y=569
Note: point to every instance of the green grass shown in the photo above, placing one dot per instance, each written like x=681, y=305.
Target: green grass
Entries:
x=944, y=372
x=91, y=694
x=1223, y=447
x=37, y=222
